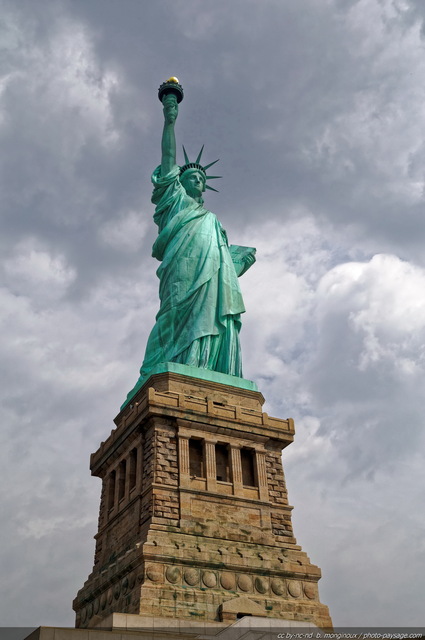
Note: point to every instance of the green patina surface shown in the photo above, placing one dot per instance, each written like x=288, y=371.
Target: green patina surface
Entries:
x=198, y=322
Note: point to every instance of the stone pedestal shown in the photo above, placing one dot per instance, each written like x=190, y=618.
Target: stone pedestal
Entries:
x=194, y=520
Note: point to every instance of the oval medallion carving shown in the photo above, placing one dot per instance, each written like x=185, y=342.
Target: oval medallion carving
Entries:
x=209, y=579
x=191, y=576
x=294, y=589
x=109, y=596
x=83, y=615
x=172, y=574
x=261, y=584
x=278, y=587
x=103, y=601
x=131, y=580
x=90, y=610
x=155, y=572
x=244, y=583
x=117, y=591
x=124, y=585
x=96, y=605
x=309, y=590
x=227, y=581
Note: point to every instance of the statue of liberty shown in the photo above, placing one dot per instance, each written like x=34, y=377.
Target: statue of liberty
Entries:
x=198, y=322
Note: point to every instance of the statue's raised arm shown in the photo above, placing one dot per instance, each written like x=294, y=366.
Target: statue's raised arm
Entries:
x=198, y=321
x=170, y=94
x=168, y=146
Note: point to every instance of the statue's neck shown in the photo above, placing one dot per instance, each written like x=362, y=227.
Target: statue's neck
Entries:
x=197, y=199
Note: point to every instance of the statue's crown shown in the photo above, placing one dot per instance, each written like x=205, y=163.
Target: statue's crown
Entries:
x=198, y=166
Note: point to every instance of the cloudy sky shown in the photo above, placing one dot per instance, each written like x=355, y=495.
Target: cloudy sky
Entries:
x=316, y=110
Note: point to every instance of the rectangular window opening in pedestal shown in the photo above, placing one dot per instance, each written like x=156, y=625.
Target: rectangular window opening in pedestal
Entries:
x=222, y=462
x=196, y=458
x=121, y=479
x=111, y=490
x=133, y=468
x=249, y=475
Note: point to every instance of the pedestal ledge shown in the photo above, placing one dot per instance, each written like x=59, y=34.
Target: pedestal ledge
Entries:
x=214, y=377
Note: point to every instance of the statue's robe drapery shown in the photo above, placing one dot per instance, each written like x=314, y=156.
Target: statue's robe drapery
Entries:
x=198, y=321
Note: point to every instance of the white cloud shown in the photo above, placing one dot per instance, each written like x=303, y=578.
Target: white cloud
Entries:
x=381, y=309
x=57, y=109
x=60, y=76
x=127, y=231
x=382, y=126
x=280, y=296
x=31, y=270
x=36, y=528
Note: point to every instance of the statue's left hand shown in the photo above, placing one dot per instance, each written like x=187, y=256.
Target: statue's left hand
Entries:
x=243, y=258
x=249, y=260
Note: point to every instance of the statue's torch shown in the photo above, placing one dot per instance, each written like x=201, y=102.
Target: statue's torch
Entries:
x=171, y=86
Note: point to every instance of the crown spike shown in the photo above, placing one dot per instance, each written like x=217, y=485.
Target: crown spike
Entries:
x=207, y=166
x=207, y=186
x=186, y=158
x=213, y=177
x=198, y=159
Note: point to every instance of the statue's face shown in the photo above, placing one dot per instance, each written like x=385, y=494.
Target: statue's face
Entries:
x=193, y=183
